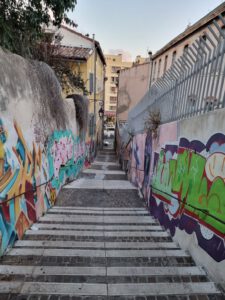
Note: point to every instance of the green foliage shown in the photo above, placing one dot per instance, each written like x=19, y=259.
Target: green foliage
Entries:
x=69, y=79
x=22, y=21
x=49, y=51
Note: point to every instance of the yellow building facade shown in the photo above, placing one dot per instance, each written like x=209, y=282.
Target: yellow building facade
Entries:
x=85, y=58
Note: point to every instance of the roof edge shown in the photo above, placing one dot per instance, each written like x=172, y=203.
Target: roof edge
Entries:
x=97, y=44
x=193, y=28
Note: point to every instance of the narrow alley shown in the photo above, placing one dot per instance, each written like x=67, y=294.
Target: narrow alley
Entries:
x=99, y=242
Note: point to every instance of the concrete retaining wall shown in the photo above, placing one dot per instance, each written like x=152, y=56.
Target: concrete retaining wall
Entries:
x=39, y=146
x=181, y=174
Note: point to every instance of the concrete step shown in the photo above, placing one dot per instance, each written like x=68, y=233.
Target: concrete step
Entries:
x=111, y=209
x=96, y=253
x=98, y=233
x=63, y=226
x=88, y=289
x=98, y=219
x=91, y=245
x=102, y=271
x=91, y=212
x=101, y=253
x=105, y=163
x=106, y=166
x=105, y=275
x=112, y=172
x=84, y=183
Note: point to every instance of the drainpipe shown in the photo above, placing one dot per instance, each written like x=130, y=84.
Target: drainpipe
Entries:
x=95, y=58
x=103, y=106
x=150, y=66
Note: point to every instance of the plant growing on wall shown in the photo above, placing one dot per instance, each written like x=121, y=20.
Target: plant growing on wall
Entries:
x=152, y=122
x=49, y=50
x=21, y=22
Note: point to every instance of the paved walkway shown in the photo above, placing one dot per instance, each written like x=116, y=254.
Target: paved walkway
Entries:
x=97, y=243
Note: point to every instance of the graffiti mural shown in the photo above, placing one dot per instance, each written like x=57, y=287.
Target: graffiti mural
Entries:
x=30, y=179
x=138, y=160
x=188, y=191
x=90, y=152
x=147, y=166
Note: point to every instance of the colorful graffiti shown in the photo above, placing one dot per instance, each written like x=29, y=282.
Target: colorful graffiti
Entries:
x=147, y=166
x=66, y=157
x=31, y=179
x=90, y=152
x=188, y=191
x=137, y=160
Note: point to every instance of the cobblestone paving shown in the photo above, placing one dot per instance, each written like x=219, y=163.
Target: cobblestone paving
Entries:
x=42, y=270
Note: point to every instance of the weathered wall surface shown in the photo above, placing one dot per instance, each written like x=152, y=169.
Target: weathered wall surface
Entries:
x=183, y=183
x=39, y=146
x=133, y=85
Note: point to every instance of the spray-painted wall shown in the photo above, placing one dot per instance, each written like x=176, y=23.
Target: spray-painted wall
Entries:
x=183, y=183
x=39, y=146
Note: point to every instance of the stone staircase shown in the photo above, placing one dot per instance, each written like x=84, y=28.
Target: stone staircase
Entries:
x=99, y=242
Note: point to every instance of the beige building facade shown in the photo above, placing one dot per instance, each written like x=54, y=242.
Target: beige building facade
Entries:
x=114, y=64
x=163, y=59
x=85, y=57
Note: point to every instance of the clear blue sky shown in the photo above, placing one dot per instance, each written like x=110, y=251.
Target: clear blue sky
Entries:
x=136, y=26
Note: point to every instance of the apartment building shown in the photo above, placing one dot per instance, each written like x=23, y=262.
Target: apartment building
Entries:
x=114, y=63
x=84, y=56
x=163, y=59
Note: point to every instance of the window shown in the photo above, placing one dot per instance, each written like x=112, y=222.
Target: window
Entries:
x=112, y=108
x=115, y=80
x=186, y=48
x=165, y=63
x=115, y=69
x=91, y=82
x=211, y=103
x=159, y=67
x=201, y=46
x=154, y=71
x=91, y=124
x=192, y=99
x=113, y=99
x=204, y=37
x=113, y=89
x=174, y=55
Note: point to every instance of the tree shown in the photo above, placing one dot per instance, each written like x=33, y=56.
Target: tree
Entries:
x=22, y=21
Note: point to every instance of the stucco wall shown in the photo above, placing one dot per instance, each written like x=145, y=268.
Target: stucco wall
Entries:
x=208, y=246
x=182, y=180
x=166, y=56
x=39, y=146
x=69, y=40
x=133, y=85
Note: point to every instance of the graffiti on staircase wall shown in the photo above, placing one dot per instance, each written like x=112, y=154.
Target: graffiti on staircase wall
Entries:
x=188, y=191
x=90, y=152
x=30, y=178
x=137, y=160
x=147, y=166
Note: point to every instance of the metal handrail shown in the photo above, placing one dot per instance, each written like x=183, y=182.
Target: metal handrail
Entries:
x=205, y=211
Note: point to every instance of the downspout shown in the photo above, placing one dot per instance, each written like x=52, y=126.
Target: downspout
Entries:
x=95, y=59
x=151, y=67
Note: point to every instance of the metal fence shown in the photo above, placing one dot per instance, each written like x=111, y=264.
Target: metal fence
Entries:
x=194, y=84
